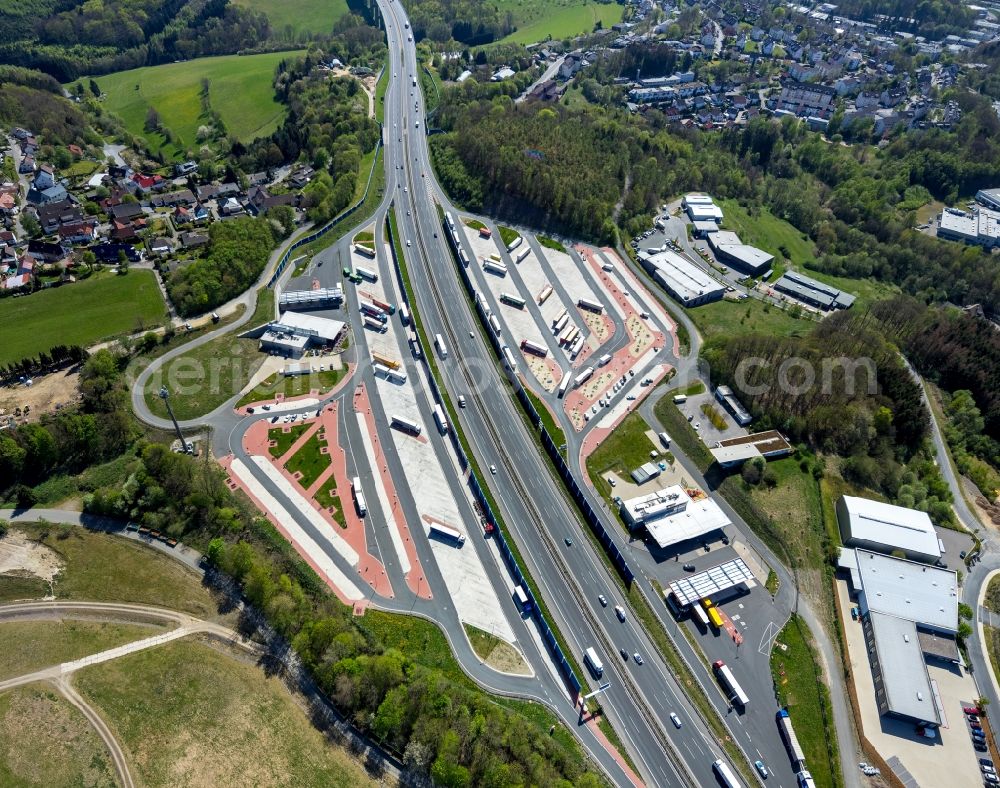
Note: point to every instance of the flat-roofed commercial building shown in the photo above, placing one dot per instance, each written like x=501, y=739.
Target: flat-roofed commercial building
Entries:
x=980, y=228
x=682, y=278
x=769, y=444
x=731, y=250
x=670, y=515
x=812, y=292
x=884, y=527
x=294, y=332
x=909, y=612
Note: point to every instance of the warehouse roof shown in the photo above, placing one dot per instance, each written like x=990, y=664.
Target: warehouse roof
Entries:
x=896, y=527
x=309, y=325
x=681, y=276
x=670, y=516
x=813, y=291
x=904, y=673
x=917, y=592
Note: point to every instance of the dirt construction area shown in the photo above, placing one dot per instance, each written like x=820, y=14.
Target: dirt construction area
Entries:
x=22, y=557
x=45, y=395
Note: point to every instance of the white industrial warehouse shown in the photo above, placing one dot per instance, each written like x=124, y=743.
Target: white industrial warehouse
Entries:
x=884, y=528
x=294, y=332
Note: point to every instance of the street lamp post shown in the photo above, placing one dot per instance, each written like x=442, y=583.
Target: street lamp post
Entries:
x=165, y=396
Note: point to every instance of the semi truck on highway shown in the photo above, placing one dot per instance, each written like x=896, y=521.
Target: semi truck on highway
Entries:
x=791, y=740
x=414, y=345
x=447, y=534
x=534, y=348
x=725, y=774
x=509, y=358
x=439, y=417
x=405, y=425
x=463, y=257
x=359, y=497
x=726, y=678
x=521, y=598
x=593, y=662
x=404, y=314
x=449, y=220
x=441, y=346
x=495, y=324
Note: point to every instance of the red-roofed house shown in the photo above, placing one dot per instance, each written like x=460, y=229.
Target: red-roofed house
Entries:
x=146, y=183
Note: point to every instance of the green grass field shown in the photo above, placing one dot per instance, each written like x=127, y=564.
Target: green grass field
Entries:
x=309, y=460
x=296, y=17
x=84, y=313
x=557, y=18
x=46, y=741
x=240, y=91
x=26, y=646
x=293, y=385
x=284, y=440
x=189, y=715
x=622, y=451
x=800, y=686
x=208, y=375
x=730, y=318
x=140, y=574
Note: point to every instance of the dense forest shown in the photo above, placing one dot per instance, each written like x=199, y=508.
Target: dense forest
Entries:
x=844, y=391
x=440, y=726
x=67, y=38
x=470, y=22
x=237, y=253
x=933, y=19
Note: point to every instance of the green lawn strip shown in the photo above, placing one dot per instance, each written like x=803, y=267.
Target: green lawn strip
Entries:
x=682, y=433
x=697, y=387
x=206, y=376
x=507, y=235
x=475, y=224
x=453, y=419
x=557, y=19
x=166, y=705
x=548, y=420
x=326, y=497
x=772, y=583
x=992, y=599
x=141, y=574
x=14, y=587
x=624, y=450
x=380, y=87
x=240, y=90
x=992, y=635
x=430, y=84
x=366, y=237
x=101, y=307
x=284, y=440
x=292, y=385
x=27, y=646
x=800, y=687
x=309, y=460
x=292, y=18
x=424, y=642
x=550, y=243
x=496, y=652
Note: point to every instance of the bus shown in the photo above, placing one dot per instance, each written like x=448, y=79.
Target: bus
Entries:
x=447, y=534
x=593, y=662
x=441, y=346
x=790, y=739
x=405, y=425
x=439, y=417
x=522, y=598
x=359, y=497
x=564, y=384
x=735, y=692
x=725, y=775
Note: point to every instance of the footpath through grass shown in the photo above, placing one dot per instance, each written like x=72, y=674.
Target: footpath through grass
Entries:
x=190, y=715
x=48, y=742
x=800, y=687
x=101, y=307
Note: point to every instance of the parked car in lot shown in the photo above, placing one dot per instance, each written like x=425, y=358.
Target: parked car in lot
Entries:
x=971, y=709
x=973, y=718
x=688, y=567
x=980, y=746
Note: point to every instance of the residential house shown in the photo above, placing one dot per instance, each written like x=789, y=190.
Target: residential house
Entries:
x=147, y=183
x=77, y=233
x=260, y=200
x=231, y=207
x=51, y=216
x=171, y=199
x=300, y=177
x=53, y=194
x=45, y=178
x=47, y=252
x=126, y=212
x=27, y=165
x=7, y=203
x=160, y=246
x=193, y=240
